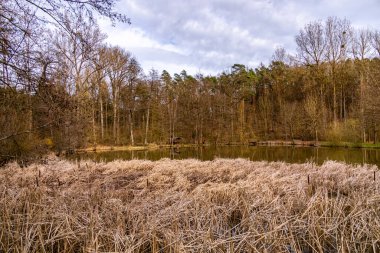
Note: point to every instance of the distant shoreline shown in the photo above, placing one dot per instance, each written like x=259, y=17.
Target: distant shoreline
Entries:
x=298, y=143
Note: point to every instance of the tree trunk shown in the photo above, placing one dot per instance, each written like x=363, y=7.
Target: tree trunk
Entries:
x=174, y=113
x=30, y=117
x=201, y=133
x=362, y=118
x=114, y=129
x=170, y=124
x=196, y=131
x=147, y=127
x=118, y=128
x=344, y=107
x=242, y=116
x=93, y=125
x=334, y=102
x=334, y=94
x=101, y=118
x=291, y=132
x=116, y=119
x=106, y=117
x=232, y=124
x=131, y=127
x=374, y=134
x=316, y=135
x=341, y=103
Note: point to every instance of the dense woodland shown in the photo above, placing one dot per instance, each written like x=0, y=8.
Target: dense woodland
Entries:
x=62, y=87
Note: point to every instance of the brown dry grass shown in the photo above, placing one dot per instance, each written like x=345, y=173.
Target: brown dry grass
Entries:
x=189, y=206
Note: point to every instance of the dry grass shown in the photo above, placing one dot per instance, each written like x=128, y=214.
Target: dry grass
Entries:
x=189, y=206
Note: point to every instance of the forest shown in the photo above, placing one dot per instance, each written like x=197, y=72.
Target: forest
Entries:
x=63, y=88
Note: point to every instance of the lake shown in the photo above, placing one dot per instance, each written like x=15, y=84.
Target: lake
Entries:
x=290, y=154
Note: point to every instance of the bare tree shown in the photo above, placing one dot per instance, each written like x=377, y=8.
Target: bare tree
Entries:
x=375, y=41
x=28, y=63
x=79, y=49
x=311, y=43
x=152, y=83
x=134, y=71
x=312, y=48
x=361, y=44
x=171, y=101
x=22, y=22
x=361, y=49
x=336, y=35
x=117, y=72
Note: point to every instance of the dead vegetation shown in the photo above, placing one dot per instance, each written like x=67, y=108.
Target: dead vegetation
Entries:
x=189, y=206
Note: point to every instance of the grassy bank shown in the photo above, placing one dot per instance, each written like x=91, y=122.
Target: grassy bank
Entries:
x=349, y=144
x=189, y=206
x=103, y=148
x=331, y=144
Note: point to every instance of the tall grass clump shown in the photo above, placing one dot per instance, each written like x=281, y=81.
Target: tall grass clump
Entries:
x=189, y=206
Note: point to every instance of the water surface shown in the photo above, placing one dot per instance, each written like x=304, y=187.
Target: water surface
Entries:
x=290, y=154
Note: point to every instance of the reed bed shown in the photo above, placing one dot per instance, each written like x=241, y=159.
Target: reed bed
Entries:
x=189, y=206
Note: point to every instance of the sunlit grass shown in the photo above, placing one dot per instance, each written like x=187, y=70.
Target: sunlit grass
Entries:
x=189, y=206
x=349, y=144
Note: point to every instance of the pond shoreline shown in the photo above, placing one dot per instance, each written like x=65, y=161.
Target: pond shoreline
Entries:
x=297, y=143
x=272, y=153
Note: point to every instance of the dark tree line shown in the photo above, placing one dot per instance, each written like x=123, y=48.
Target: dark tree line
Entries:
x=63, y=88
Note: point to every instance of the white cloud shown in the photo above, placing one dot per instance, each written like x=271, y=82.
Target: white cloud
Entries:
x=135, y=38
x=210, y=36
x=147, y=50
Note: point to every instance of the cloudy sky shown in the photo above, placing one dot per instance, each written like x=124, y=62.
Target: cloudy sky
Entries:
x=209, y=36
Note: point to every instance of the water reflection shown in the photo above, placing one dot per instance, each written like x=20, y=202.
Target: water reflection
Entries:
x=267, y=153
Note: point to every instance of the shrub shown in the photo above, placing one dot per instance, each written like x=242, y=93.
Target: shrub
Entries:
x=346, y=131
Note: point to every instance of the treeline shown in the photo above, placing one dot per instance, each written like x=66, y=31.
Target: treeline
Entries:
x=63, y=88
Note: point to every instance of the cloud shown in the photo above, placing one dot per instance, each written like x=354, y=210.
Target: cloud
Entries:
x=210, y=36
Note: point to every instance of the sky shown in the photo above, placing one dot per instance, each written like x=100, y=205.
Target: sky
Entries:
x=209, y=36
